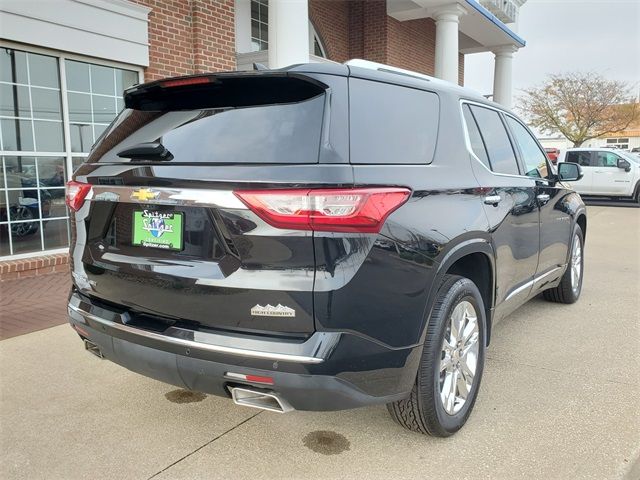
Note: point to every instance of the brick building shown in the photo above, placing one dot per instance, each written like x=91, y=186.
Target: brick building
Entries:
x=65, y=63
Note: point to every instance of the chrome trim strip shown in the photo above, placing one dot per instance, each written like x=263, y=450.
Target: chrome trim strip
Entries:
x=521, y=288
x=545, y=275
x=168, y=196
x=192, y=344
x=532, y=282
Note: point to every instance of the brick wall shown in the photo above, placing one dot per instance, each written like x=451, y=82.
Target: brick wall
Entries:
x=331, y=21
x=32, y=267
x=412, y=44
x=190, y=36
x=362, y=29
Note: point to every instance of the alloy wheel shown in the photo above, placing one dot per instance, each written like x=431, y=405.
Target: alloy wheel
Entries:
x=576, y=264
x=459, y=357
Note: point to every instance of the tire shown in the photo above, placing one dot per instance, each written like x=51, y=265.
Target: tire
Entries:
x=424, y=411
x=567, y=291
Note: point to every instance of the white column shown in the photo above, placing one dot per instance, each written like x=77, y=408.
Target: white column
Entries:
x=288, y=32
x=447, y=18
x=503, y=75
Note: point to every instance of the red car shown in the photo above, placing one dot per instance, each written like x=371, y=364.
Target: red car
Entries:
x=552, y=153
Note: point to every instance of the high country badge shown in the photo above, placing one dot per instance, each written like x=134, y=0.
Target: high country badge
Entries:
x=271, y=311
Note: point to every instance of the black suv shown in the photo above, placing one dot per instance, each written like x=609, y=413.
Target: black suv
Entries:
x=320, y=237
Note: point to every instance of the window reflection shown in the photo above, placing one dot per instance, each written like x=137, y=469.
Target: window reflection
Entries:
x=33, y=214
x=94, y=98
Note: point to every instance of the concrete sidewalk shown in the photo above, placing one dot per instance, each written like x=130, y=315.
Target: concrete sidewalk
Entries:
x=560, y=399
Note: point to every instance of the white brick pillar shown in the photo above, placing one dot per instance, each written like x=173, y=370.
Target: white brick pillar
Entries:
x=446, y=63
x=503, y=75
x=288, y=32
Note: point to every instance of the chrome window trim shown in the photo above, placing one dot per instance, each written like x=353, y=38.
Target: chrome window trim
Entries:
x=542, y=150
x=467, y=140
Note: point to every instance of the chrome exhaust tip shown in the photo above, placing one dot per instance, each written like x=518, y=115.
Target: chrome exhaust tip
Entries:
x=258, y=399
x=92, y=348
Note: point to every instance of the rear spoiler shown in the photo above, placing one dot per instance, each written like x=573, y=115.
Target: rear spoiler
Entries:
x=220, y=90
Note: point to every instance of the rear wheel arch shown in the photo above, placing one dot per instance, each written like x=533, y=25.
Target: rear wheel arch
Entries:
x=582, y=223
x=473, y=260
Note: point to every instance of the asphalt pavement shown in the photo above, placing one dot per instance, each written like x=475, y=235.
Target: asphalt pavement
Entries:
x=560, y=399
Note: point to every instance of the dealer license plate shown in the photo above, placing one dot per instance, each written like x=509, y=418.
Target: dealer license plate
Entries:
x=157, y=229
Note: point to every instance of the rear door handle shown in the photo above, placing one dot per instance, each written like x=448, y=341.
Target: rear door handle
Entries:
x=543, y=197
x=492, y=199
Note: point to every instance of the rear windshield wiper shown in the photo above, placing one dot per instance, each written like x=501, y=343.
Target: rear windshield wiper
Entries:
x=147, y=151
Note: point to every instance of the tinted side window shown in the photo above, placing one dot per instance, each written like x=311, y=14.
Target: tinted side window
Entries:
x=581, y=158
x=501, y=155
x=535, y=161
x=477, y=144
x=391, y=124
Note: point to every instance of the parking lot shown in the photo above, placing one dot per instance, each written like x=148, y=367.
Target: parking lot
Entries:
x=560, y=399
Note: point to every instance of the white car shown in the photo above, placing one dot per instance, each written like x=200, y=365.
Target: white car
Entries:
x=607, y=172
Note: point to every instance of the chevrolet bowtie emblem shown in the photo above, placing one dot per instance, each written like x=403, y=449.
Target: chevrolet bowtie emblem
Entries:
x=144, y=194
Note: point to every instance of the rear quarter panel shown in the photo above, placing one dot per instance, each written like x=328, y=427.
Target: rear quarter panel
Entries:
x=379, y=286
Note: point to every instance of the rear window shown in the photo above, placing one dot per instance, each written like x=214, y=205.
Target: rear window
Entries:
x=391, y=124
x=267, y=128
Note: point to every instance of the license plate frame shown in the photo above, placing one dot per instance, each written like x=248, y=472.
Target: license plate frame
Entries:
x=157, y=229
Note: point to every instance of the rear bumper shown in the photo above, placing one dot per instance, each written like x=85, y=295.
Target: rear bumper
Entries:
x=327, y=371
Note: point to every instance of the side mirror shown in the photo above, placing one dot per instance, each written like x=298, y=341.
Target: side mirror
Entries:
x=622, y=163
x=569, y=172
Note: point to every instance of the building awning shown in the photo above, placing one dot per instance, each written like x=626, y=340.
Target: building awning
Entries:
x=479, y=29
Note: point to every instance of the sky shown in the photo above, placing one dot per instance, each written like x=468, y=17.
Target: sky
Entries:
x=568, y=35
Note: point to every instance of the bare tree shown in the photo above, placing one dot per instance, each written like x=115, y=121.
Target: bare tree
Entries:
x=580, y=106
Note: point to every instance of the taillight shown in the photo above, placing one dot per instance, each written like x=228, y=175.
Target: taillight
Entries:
x=328, y=210
x=76, y=193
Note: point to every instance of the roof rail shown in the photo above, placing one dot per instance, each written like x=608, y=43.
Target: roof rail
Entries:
x=358, y=62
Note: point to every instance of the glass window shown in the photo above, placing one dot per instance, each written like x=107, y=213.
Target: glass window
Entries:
x=79, y=107
x=104, y=109
x=477, y=144
x=76, y=162
x=124, y=80
x=535, y=160
x=392, y=124
x=103, y=80
x=16, y=134
x=56, y=234
x=94, y=97
x=13, y=66
x=48, y=136
x=77, y=76
x=496, y=139
x=43, y=71
x=14, y=101
x=275, y=133
x=81, y=137
x=30, y=113
x=46, y=103
x=581, y=158
x=606, y=159
x=33, y=214
x=259, y=25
